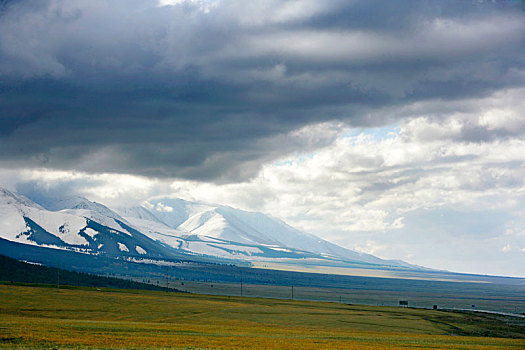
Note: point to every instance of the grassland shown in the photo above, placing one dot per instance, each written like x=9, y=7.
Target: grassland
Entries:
x=38, y=317
x=499, y=298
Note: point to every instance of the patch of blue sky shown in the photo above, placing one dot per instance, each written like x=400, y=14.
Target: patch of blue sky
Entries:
x=377, y=134
x=301, y=158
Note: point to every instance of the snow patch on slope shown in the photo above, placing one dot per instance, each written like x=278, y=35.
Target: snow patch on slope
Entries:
x=80, y=206
x=90, y=232
x=13, y=224
x=98, y=217
x=151, y=227
x=140, y=213
x=63, y=225
x=13, y=209
x=207, y=223
x=222, y=250
x=123, y=247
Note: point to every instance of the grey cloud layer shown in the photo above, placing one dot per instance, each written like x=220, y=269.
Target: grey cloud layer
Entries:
x=203, y=90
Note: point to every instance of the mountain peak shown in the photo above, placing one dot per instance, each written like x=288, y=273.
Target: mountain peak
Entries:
x=78, y=203
x=70, y=202
x=12, y=198
x=139, y=212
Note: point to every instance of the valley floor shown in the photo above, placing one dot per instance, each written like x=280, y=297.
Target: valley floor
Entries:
x=44, y=317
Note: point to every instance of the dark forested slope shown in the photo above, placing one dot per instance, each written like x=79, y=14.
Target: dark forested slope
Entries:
x=12, y=270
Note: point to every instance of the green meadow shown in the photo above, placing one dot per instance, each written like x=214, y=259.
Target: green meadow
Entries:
x=78, y=317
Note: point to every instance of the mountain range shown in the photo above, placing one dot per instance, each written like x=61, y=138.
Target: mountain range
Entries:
x=168, y=228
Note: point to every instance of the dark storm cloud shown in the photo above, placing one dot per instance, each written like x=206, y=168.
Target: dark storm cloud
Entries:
x=198, y=90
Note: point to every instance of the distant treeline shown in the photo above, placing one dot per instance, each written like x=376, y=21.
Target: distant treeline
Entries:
x=12, y=270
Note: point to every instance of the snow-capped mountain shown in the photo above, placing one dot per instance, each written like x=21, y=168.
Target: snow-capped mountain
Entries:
x=87, y=227
x=229, y=224
x=165, y=229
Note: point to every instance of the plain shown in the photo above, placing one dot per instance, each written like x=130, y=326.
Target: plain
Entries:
x=79, y=317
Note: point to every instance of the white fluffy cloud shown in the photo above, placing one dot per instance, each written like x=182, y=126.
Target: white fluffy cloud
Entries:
x=409, y=191
x=370, y=177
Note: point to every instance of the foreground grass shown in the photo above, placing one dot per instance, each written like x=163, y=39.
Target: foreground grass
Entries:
x=38, y=317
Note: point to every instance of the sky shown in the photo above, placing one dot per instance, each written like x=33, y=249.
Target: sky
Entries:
x=391, y=128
